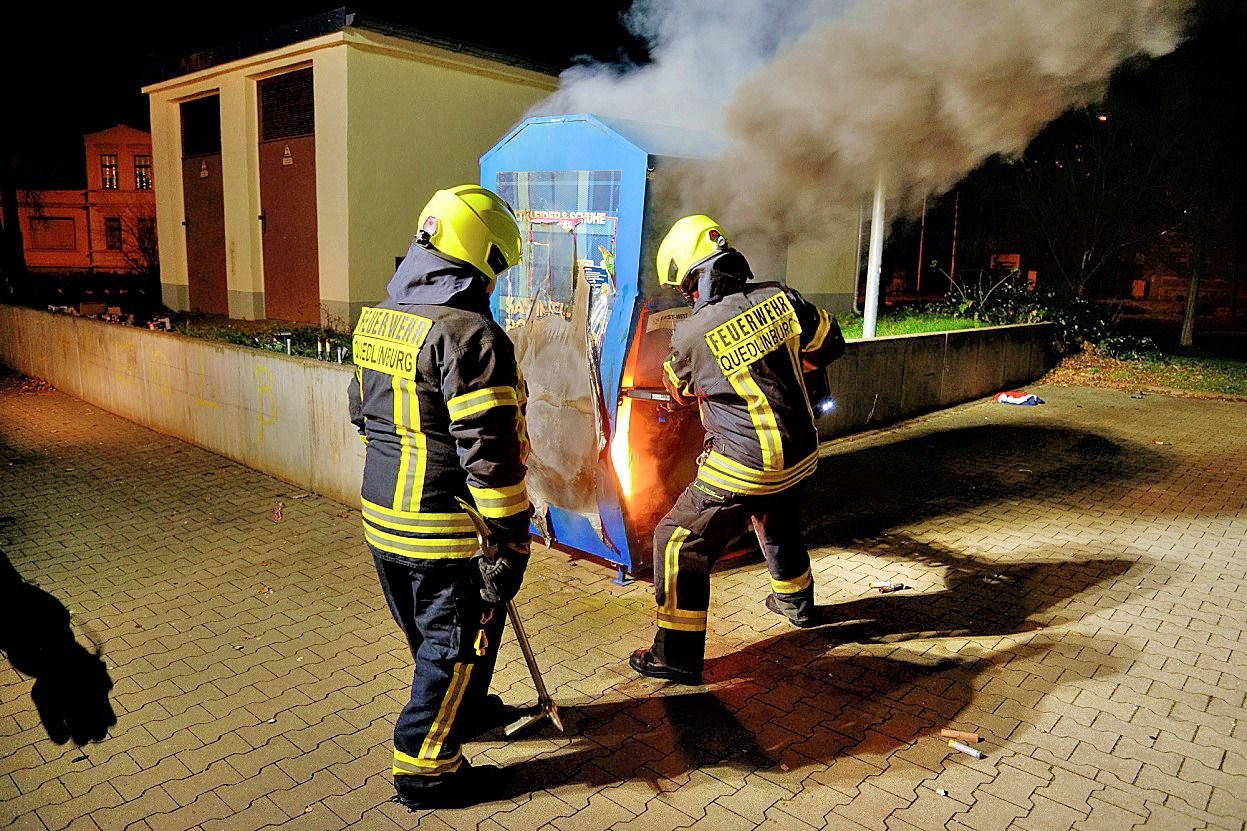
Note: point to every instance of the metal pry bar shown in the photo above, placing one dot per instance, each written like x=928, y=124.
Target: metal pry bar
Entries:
x=547, y=707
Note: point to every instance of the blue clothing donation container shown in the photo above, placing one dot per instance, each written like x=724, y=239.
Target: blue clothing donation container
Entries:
x=592, y=327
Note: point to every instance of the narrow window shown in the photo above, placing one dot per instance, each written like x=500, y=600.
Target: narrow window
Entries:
x=143, y=172
x=108, y=170
x=112, y=233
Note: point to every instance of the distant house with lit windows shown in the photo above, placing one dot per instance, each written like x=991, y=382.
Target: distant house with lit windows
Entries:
x=111, y=225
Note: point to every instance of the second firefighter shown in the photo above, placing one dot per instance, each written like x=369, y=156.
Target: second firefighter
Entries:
x=741, y=357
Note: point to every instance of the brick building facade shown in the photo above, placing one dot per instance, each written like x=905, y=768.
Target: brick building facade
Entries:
x=110, y=225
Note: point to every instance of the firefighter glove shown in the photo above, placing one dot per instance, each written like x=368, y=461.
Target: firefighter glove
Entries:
x=502, y=575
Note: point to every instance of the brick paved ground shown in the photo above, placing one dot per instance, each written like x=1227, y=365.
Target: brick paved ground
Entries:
x=1075, y=572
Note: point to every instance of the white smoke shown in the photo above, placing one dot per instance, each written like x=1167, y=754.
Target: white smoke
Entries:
x=809, y=101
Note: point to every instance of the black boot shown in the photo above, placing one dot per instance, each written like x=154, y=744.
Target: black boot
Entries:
x=800, y=611
x=469, y=785
x=645, y=662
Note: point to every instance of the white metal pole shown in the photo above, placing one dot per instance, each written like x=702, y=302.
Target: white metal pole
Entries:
x=857, y=257
x=874, y=263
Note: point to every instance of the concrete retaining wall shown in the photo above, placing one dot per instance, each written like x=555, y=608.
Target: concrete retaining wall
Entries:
x=284, y=416
x=287, y=416
x=887, y=379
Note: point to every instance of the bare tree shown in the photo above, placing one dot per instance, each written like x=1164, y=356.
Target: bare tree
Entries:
x=1094, y=196
x=13, y=256
x=140, y=245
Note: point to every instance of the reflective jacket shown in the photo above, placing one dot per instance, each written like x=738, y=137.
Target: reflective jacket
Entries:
x=741, y=356
x=438, y=398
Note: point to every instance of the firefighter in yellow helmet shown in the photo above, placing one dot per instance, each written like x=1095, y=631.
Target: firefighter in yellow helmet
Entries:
x=439, y=400
x=741, y=356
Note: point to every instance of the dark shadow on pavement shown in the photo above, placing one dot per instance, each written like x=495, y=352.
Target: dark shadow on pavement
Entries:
x=860, y=492
x=980, y=596
x=799, y=699
x=71, y=684
x=857, y=494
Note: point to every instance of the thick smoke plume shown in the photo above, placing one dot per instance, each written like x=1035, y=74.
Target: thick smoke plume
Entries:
x=807, y=102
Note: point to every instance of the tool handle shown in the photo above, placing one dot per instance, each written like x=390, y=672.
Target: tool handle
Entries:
x=529, y=658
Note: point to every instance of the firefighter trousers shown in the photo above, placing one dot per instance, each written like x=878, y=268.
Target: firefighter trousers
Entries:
x=689, y=540
x=453, y=636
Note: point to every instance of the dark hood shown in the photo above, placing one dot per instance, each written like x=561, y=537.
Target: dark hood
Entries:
x=425, y=278
x=719, y=276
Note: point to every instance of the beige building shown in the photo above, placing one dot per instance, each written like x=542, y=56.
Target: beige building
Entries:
x=289, y=176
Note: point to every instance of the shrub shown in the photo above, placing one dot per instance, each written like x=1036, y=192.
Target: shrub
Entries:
x=1003, y=297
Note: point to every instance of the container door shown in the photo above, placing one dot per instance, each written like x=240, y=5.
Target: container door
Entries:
x=555, y=306
x=288, y=198
x=204, y=205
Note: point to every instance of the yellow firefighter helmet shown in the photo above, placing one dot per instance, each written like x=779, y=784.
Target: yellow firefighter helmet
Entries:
x=475, y=225
x=690, y=241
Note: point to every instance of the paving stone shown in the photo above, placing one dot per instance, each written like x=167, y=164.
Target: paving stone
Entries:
x=1070, y=790
x=205, y=808
x=1166, y=818
x=62, y=814
x=988, y=813
x=259, y=814
x=871, y=804
x=1107, y=815
x=717, y=818
x=322, y=784
x=133, y=785
x=812, y=804
x=153, y=801
x=1047, y=815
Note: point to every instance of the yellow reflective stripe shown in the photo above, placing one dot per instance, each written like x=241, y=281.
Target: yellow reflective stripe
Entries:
x=763, y=418
x=682, y=620
x=739, y=485
x=419, y=448
x=404, y=764
x=731, y=467
x=680, y=386
x=497, y=503
x=419, y=523
x=413, y=525
x=446, y=714
x=792, y=586
x=509, y=492
x=671, y=566
x=413, y=455
x=795, y=358
x=404, y=442
x=521, y=416
x=820, y=334
x=736, y=484
x=421, y=543
x=423, y=548
x=478, y=401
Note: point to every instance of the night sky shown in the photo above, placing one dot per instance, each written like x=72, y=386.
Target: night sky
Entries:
x=72, y=72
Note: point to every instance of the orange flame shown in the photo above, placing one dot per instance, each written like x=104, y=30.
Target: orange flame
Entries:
x=621, y=456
